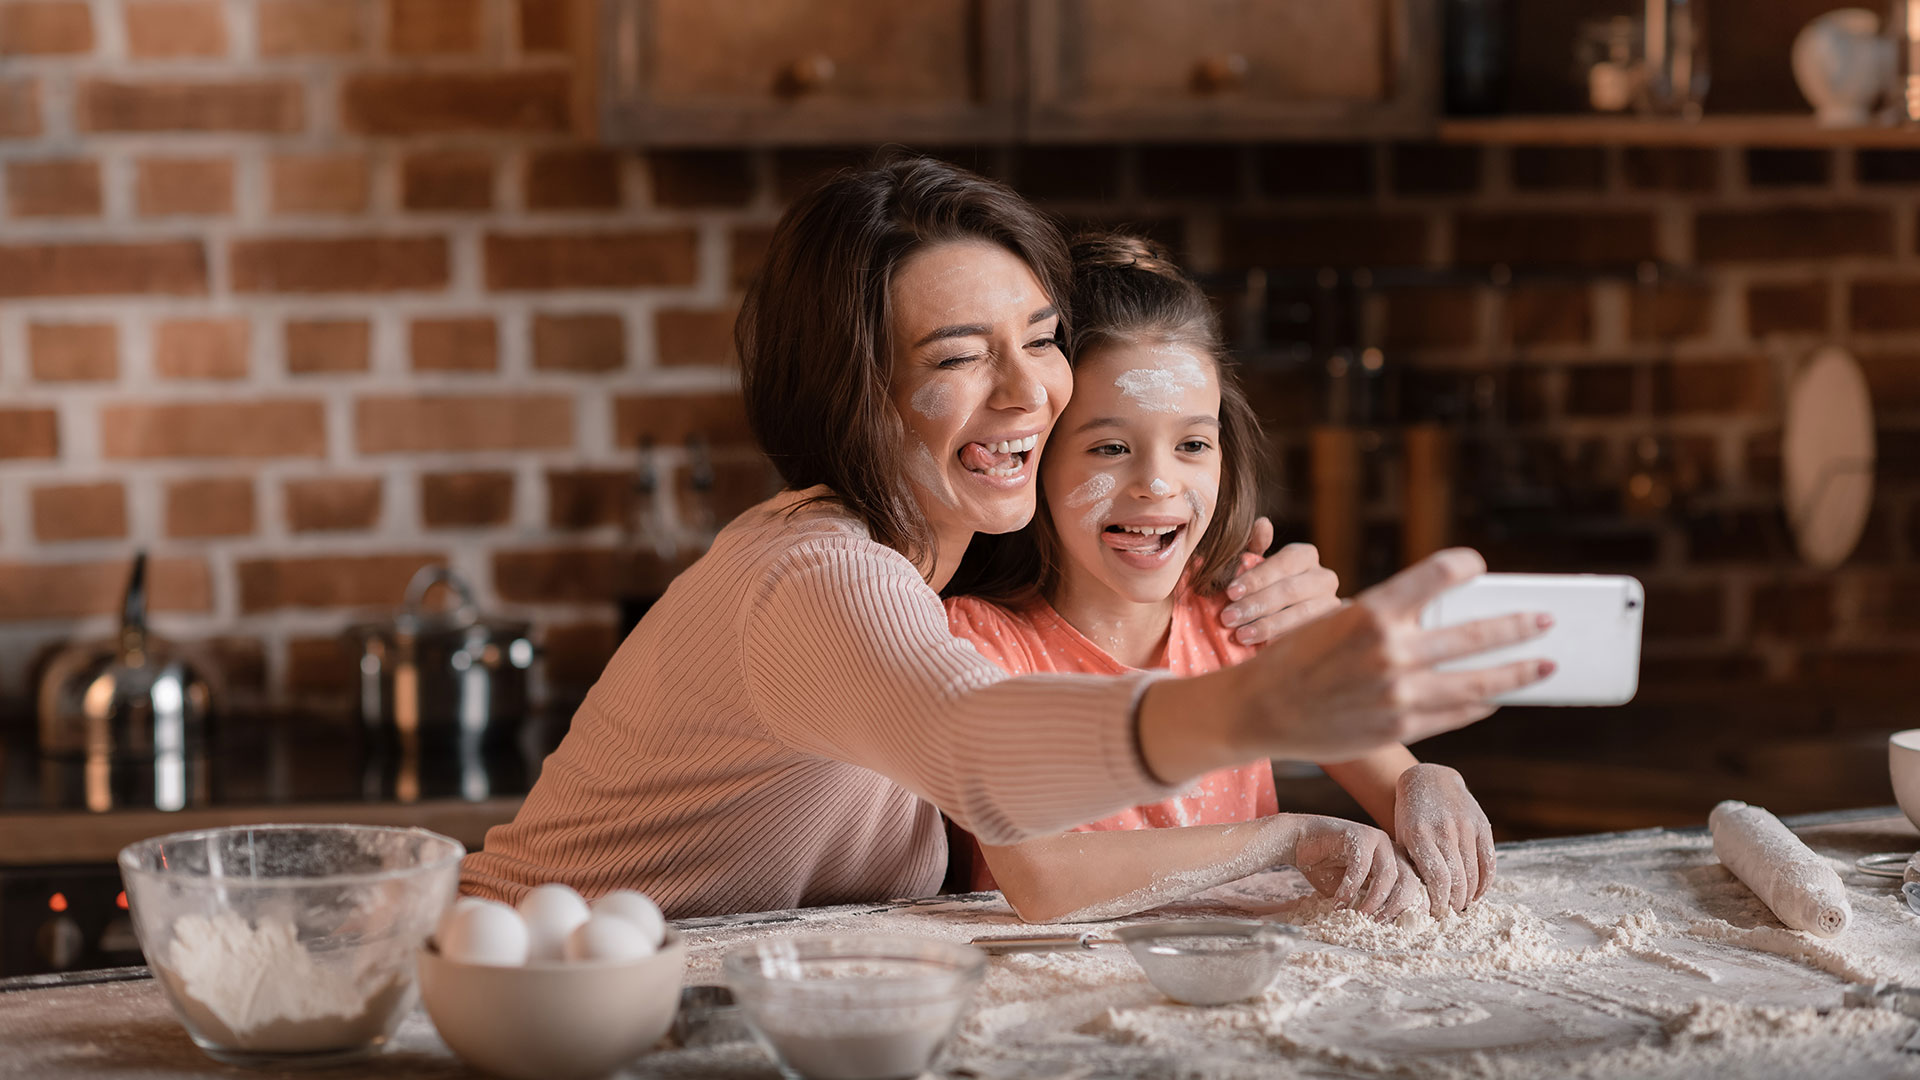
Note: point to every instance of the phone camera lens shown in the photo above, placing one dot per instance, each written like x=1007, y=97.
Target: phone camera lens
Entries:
x=1632, y=603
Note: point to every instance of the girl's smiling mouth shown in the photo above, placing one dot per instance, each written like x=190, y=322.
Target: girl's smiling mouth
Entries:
x=1144, y=545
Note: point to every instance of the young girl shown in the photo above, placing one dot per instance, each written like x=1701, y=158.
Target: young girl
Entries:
x=1149, y=478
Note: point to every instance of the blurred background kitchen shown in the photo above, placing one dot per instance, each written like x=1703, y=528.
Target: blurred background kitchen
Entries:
x=302, y=297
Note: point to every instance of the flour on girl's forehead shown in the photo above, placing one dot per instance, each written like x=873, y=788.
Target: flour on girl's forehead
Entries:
x=1158, y=388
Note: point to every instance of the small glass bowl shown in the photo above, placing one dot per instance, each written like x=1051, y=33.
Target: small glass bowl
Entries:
x=1210, y=961
x=853, y=1008
x=284, y=945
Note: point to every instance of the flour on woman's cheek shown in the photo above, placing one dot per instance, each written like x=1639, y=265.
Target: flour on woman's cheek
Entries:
x=1096, y=492
x=933, y=401
x=925, y=471
x=1160, y=388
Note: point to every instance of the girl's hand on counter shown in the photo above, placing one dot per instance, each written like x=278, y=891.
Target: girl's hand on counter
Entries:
x=1446, y=834
x=1353, y=863
x=1284, y=590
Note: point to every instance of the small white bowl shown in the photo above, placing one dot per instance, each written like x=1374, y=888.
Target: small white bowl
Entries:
x=1903, y=761
x=849, y=1007
x=554, y=1021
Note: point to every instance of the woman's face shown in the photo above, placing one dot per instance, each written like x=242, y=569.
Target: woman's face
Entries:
x=978, y=377
x=1134, y=474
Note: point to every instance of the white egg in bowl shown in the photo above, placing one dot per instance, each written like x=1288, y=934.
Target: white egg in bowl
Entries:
x=560, y=1019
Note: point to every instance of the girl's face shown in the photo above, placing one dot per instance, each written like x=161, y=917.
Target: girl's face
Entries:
x=978, y=377
x=1135, y=470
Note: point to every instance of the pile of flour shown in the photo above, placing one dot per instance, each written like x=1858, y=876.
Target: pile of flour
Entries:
x=255, y=987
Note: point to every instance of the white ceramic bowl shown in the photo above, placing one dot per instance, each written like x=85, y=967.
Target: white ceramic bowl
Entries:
x=284, y=945
x=554, y=1021
x=1903, y=761
x=845, y=1007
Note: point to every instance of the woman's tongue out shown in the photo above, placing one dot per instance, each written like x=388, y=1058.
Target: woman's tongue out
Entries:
x=978, y=458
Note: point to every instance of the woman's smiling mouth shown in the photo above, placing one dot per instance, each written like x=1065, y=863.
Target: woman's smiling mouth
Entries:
x=1001, y=460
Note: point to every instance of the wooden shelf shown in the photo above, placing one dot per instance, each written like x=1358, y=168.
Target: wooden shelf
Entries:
x=1781, y=130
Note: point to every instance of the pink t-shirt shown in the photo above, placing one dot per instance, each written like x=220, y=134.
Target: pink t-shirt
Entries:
x=1034, y=638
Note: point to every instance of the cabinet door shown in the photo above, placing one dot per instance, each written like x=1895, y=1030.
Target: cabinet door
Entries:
x=810, y=71
x=1197, y=69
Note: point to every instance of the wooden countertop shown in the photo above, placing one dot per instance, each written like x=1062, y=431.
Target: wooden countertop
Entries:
x=124, y=1028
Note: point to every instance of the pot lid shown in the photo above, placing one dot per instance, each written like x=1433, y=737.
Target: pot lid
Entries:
x=414, y=618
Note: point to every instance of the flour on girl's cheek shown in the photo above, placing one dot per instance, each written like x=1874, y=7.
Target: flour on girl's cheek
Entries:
x=1097, y=491
x=923, y=470
x=1202, y=495
x=1199, y=508
x=1159, y=388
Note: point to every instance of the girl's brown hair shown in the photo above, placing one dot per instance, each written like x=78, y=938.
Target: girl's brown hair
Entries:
x=1127, y=289
x=816, y=355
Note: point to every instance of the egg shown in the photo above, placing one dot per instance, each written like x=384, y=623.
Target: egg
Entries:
x=637, y=908
x=476, y=931
x=551, y=913
x=608, y=937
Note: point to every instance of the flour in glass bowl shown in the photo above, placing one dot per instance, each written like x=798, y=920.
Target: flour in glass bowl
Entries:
x=255, y=987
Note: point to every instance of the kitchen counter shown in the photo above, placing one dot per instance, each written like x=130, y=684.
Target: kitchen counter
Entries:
x=1631, y=954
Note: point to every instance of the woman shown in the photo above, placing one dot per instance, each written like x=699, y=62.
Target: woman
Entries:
x=789, y=721
x=1148, y=484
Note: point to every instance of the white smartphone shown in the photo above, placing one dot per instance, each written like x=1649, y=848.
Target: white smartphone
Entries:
x=1594, y=643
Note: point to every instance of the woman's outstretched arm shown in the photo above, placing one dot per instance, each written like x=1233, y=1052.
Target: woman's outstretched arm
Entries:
x=1091, y=876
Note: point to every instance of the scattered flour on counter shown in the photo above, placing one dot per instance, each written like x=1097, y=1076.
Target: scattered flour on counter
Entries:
x=1636, y=957
x=1793, y=946
x=254, y=987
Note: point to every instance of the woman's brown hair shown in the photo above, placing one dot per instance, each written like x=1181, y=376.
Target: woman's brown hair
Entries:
x=1126, y=290
x=816, y=356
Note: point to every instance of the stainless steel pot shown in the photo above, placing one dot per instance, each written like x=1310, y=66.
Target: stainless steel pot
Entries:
x=442, y=677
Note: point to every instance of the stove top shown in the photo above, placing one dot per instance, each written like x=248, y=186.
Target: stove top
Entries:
x=268, y=759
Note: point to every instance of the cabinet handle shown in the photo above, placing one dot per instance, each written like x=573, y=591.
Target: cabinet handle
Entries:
x=1219, y=74
x=807, y=75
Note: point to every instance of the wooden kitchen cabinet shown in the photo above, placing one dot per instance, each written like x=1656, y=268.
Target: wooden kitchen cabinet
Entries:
x=1228, y=69
x=706, y=72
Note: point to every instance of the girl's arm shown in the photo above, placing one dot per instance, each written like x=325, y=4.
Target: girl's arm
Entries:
x=1090, y=876
x=1373, y=780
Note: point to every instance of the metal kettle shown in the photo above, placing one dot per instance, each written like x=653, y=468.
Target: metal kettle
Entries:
x=132, y=699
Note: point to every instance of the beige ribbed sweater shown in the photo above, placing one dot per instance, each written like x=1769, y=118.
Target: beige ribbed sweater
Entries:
x=785, y=727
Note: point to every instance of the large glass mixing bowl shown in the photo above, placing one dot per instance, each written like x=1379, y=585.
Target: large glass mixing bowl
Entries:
x=289, y=944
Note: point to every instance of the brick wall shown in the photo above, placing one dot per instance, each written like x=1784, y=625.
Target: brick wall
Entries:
x=303, y=294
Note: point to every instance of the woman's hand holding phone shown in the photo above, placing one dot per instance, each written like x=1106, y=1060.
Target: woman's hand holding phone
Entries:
x=1343, y=684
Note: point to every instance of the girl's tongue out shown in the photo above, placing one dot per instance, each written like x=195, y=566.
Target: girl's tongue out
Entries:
x=1139, y=543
